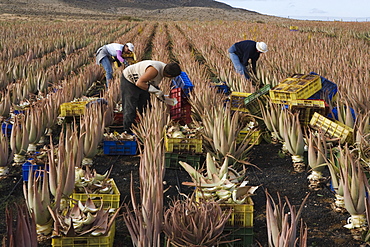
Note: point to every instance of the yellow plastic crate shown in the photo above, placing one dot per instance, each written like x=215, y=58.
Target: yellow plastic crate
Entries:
x=88, y=241
x=237, y=101
x=299, y=87
x=307, y=108
x=73, y=108
x=256, y=137
x=183, y=145
x=241, y=214
x=332, y=129
x=109, y=200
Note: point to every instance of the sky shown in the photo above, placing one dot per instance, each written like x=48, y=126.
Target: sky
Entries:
x=325, y=10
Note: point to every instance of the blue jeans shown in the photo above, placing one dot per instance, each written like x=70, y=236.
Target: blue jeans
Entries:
x=239, y=67
x=105, y=62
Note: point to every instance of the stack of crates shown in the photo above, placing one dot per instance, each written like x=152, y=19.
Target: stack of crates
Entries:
x=240, y=224
x=252, y=103
x=299, y=86
x=306, y=109
x=186, y=149
x=332, y=129
x=181, y=112
x=328, y=90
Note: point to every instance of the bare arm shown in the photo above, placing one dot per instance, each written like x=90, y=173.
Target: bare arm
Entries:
x=150, y=73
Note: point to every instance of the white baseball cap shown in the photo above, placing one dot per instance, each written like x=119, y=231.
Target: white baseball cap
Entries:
x=130, y=46
x=261, y=46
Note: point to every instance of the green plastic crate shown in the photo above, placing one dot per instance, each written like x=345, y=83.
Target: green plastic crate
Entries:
x=243, y=237
x=172, y=160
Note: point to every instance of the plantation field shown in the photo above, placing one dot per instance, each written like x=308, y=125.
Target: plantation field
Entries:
x=47, y=62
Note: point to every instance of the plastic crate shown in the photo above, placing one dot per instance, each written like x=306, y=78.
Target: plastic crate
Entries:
x=237, y=100
x=6, y=128
x=172, y=160
x=72, y=108
x=253, y=101
x=182, y=81
x=243, y=237
x=301, y=87
x=88, y=241
x=109, y=200
x=183, y=145
x=222, y=87
x=307, y=108
x=255, y=136
x=181, y=112
x=117, y=118
x=28, y=166
x=256, y=95
x=328, y=90
x=332, y=129
x=120, y=147
x=241, y=214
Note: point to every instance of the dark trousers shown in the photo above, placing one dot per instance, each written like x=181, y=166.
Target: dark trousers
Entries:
x=133, y=98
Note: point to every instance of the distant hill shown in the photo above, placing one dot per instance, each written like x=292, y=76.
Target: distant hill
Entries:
x=145, y=4
x=138, y=9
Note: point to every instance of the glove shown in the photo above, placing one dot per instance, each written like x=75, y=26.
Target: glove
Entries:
x=157, y=92
x=170, y=101
x=125, y=63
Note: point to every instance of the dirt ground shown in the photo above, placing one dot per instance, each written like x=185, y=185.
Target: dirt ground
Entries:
x=325, y=227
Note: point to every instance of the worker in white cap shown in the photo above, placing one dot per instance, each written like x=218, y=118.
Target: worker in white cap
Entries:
x=107, y=54
x=241, y=52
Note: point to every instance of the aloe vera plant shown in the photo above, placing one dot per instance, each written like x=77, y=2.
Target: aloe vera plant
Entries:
x=145, y=221
x=317, y=153
x=202, y=227
x=5, y=156
x=293, y=137
x=221, y=130
x=82, y=219
x=19, y=139
x=354, y=188
x=35, y=125
x=282, y=226
x=24, y=233
x=334, y=163
x=271, y=116
x=219, y=183
x=92, y=128
x=37, y=196
x=62, y=161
